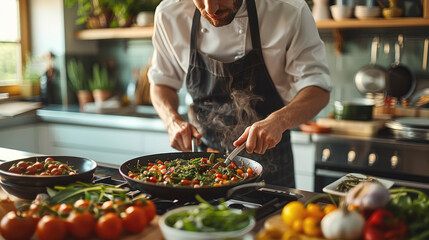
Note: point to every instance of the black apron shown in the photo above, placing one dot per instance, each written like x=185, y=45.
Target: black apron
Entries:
x=228, y=97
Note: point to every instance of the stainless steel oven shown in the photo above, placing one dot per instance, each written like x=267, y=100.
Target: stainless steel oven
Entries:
x=404, y=162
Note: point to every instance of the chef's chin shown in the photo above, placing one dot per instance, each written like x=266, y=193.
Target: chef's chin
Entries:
x=219, y=22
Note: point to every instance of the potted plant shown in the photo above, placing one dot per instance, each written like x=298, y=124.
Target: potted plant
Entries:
x=145, y=16
x=100, y=84
x=92, y=13
x=78, y=80
x=125, y=11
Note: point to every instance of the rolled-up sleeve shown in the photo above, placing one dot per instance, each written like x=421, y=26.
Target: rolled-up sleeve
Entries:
x=306, y=55
x=165, y=69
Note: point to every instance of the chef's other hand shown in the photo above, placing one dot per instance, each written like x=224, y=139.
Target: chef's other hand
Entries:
x=180, y=134
x=262, y=135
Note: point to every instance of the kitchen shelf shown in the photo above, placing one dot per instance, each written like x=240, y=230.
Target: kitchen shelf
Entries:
x=373, y=23
x=114, y=33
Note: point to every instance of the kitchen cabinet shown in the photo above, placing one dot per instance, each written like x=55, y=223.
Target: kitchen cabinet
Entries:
x=107, y=146
x=22, y=137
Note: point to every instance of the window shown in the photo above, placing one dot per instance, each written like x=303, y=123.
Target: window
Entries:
x=14, y=44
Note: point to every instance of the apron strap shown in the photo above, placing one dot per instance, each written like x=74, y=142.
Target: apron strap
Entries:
x=253, y=23
x=194, y=30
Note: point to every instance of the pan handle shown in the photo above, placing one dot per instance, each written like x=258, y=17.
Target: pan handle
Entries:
x=397, y=53
x=425, y=54
x=194, y=144
x=374, y=46
x=231, y=191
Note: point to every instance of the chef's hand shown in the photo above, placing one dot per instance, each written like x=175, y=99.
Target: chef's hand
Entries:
x=180, y=134
x=262, y=135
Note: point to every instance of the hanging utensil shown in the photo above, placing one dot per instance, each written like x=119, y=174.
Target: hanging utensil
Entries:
x=371, y=78
x=400, y=80
x=425, y=54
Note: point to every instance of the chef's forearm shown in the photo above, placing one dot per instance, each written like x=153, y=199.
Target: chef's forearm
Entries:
x=166, y=102
x=305, y=106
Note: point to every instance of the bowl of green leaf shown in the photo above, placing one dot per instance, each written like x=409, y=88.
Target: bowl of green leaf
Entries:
x=206, y=222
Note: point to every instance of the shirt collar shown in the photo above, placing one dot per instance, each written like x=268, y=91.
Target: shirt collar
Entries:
x=242, y=11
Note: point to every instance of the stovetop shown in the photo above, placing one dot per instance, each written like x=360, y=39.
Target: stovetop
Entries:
x=264, y=201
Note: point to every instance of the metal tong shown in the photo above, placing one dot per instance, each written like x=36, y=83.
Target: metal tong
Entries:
x=231, y=156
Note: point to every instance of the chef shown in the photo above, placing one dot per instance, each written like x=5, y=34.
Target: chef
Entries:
x=254, y=69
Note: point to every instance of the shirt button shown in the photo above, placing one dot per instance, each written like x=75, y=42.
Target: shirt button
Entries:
x=241, y=31
x=204, y=30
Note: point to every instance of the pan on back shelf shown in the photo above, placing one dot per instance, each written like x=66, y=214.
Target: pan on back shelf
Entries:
x=400, y=80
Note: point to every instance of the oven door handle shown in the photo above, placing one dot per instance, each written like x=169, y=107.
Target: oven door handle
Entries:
x=401, y=183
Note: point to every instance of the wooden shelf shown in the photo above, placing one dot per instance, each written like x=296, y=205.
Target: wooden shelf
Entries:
x=146, y=32
x=373, y=23
x=115, y=33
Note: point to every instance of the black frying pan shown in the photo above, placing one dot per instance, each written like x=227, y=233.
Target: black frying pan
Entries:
x=182, y=192
x=400, y=80
x=85, y=172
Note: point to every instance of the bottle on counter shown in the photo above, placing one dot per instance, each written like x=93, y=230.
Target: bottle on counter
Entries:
x=47, y=82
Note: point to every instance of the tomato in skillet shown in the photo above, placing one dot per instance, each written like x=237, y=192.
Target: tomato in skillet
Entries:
x=17, y=227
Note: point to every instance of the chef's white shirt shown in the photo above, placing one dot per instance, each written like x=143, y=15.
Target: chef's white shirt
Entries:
x=293, y=51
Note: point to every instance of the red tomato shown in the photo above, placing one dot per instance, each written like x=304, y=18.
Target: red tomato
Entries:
x=81, y=225
x=131, y=175
x=64, y=209
x=195, y=181
x=39, y=166
x=185, y=182
x=31, y=170
x=204, y=160
x=56, y=172
x=134, y=219
x=15, y=169
x=109, y=226
x=48, y=159
x=234, y=179
x=107, y=205
x=52, y=166
x=153, y=179
x=82, y=203
x=22, y=164
x=160, y=162
x=150, y=210
x=51, y=228
x=219, y=175
x=15, y=227
x=63, y=167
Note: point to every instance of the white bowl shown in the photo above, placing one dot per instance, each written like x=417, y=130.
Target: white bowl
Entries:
x=340, y=12
x=171, y=233
x=367, y=12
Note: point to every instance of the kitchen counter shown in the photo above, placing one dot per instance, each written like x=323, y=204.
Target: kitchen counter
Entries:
x=152, y=232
